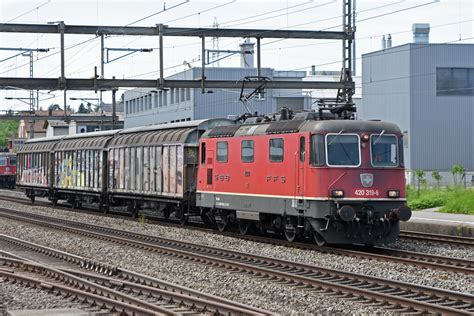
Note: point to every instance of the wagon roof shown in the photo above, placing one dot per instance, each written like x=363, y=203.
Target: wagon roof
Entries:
x=173, y=133
x=44, y=144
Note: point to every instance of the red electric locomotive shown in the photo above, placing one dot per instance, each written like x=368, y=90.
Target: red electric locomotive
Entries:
x=338, y=181
x=7, y=170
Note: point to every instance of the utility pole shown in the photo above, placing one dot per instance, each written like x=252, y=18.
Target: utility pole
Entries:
x=102, y=63
x=28, y=52
x=114, y=104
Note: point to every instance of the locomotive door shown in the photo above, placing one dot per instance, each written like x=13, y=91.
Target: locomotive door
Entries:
x=209, y=168
x=207, y=159
x=300, y=165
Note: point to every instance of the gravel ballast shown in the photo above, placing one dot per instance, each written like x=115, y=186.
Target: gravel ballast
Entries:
x=272, y=296
x=14, y=296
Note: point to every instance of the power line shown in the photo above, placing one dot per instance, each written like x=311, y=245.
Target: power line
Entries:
x=159, y=12
x=29, y=11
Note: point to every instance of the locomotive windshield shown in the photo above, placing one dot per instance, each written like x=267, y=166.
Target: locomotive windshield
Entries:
x=343, y=150
x=384, y=150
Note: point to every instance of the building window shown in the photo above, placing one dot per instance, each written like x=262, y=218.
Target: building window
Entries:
x=454, y=81
x=165, y=98
x=126, y=107
x=172, y=96
x=188, y=94
x=247, y=151
x=160, y=100
x=222, y=152
x=276, y=149
x=177, y=95
x=183, y=92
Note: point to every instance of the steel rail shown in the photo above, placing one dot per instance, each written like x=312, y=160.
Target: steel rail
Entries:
x=465, y=241
x=76, y=286
x=121, y=278
x=410, y=297
x=371, y=253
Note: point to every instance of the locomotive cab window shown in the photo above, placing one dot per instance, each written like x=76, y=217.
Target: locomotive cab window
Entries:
x=12, y=160
x=317, y=150
x=222, y=152
x=3, y=161
x=383, y=150
x=276, y=149
x=247, y=151
x=343, y=150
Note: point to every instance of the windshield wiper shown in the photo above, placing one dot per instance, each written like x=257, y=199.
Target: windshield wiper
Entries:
x=340, y=132
x=375, y=142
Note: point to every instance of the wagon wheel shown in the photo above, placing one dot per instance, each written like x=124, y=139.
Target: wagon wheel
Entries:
x=166, y=212
x=181, y=216
x=54, y=201
x=32, y=198
x=244, y=226
x=318, y=239
x=290, y=230
x=222, y=220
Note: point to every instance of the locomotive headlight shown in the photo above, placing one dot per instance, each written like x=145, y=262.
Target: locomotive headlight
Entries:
x=365, y=138
x=337, y=193
x=393, y=193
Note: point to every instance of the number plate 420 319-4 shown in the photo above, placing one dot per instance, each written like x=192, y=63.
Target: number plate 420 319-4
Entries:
x=366, y=192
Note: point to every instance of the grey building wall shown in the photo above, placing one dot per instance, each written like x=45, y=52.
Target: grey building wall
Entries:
x=399, y=85
x=145, y=106
x=442, y=126
x=386, y=90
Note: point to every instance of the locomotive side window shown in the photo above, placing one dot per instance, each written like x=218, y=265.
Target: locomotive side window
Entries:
x=222, y=151
x=317, y=150
x=247, y=151
x=383, y=150
x=203, y=153
x=276, y=149
x=343, y=150
x=400, y=152
x=302, y=148
x=3, y=161
x=12, y=160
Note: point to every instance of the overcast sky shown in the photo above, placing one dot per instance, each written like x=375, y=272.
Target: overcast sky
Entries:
x=450, y=20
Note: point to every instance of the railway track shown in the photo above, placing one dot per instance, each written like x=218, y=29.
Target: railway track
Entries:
x=456, y=240
x=393, y=295
x=371, y=253
x=104, y=287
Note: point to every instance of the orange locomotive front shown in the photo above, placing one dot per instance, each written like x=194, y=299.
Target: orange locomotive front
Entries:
x=337, y=181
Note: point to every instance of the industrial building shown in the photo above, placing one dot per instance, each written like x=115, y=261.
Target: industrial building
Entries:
x=428, y=90
x=147, y=106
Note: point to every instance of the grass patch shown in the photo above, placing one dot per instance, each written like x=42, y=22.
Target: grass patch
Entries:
x=451, y=200
x=460, y=202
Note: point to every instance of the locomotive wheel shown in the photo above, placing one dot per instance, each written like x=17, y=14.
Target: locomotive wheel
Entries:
x=318, y=239
x=290, y=230
x=222, y=220
x=244, y=226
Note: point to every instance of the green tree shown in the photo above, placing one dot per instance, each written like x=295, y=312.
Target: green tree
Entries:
x=435, y=174
x=54, y=107
x=458, y=173
x=8, y=129
x=420, y=177
x=82, y=109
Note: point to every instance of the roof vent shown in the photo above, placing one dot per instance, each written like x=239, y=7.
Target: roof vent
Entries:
x=421, y=33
